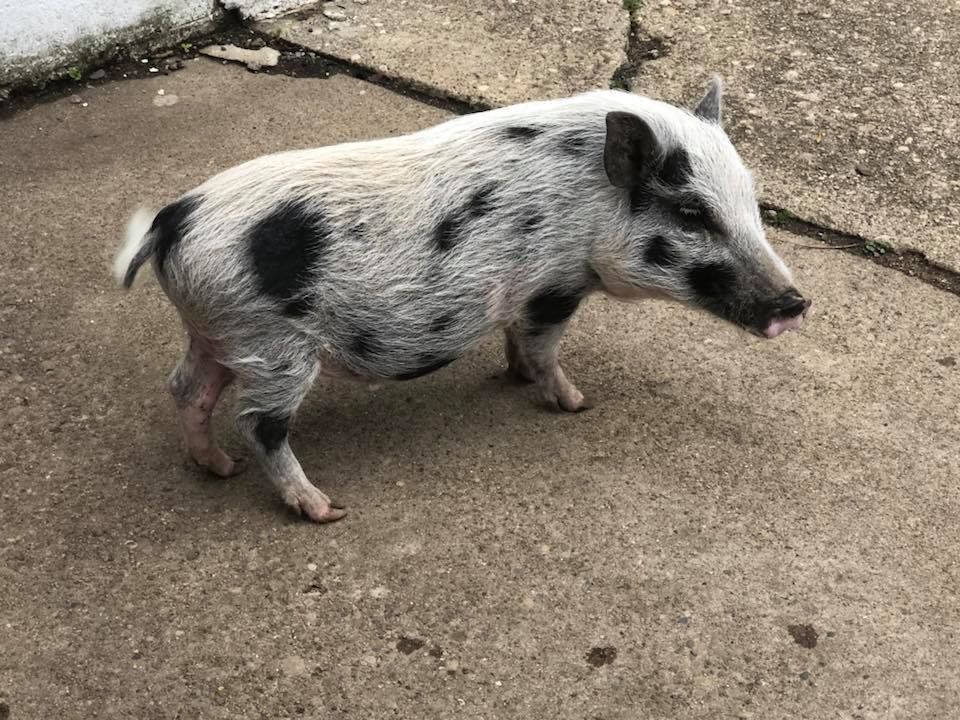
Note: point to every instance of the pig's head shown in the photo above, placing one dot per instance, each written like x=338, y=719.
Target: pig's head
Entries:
x=690, y=225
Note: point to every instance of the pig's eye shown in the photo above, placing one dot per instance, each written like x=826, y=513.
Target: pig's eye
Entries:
x=697, y=218
x=693, y=217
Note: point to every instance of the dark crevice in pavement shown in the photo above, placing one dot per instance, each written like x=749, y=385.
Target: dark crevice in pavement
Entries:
x=640, y=48
x=292, y=63
x=909, y=262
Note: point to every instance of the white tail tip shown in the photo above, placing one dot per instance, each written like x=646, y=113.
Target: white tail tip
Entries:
x=136, y=236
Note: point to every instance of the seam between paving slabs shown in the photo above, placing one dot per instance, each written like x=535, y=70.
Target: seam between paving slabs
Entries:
x=640, y=48
x=299, y=62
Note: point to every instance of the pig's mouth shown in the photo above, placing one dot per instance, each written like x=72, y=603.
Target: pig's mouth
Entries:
x=788, y=319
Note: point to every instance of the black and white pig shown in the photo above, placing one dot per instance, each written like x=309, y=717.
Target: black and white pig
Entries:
x=390, y=258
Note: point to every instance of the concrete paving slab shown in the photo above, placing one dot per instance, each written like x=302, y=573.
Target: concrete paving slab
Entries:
x=489, y=52
x=738, y=529
x=847, y=110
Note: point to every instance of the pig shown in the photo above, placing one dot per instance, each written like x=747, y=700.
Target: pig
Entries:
x=389, y=259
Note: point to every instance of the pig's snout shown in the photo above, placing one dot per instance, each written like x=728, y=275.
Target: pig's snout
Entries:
x=789, y=313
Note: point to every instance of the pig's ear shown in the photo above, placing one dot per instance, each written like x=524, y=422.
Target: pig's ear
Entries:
x=709, y=106
x=631, y=150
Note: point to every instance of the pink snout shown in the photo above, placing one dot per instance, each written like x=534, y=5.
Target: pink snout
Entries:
x=790, y=319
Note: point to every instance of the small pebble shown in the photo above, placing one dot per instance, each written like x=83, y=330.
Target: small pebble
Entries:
x=293, y=665
x=98, y=74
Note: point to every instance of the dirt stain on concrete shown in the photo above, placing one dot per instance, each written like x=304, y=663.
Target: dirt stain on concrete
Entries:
x=803, y=635
x=599, y=656
x=407, y=645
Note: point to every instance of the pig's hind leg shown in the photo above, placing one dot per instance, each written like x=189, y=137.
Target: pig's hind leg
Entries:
x=196, y=385
x=268, y=398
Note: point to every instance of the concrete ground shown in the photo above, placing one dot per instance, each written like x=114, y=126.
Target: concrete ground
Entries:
x=738, y=529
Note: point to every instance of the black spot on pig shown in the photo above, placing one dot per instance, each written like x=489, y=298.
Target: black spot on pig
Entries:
x=287, y=247
x=573, y=144
x=675, y=170
x=481, y=202
x=600, y=656
x=552, y=306
x=641, y=199
x=447, y=233
x=659, y=252
x=522, y=132
x=364, y=345
x=170, y=225
x=299, y=306
x=450, y=230
x=712, y=281
x=427, y=363
x=272, y=430
x=531, y=222
x=443, y=322
x=803, y=635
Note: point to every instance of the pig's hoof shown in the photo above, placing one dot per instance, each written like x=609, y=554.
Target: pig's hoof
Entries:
x=568, y=406
x=571, y=400
x=234, y=468
x=224, y=466
x=313, y=504
x=577, y=407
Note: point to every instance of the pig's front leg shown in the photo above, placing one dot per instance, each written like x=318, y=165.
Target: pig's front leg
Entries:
x=518, y=369
x=533, y=355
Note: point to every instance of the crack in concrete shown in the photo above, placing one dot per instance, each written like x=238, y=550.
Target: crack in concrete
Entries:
x=299, y=62
x=909, y=262
x=640, y=48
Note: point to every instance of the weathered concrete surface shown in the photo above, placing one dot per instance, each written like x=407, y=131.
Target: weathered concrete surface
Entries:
x=822, y=89
x=491, y=52
x=42, y=37
x=722, y=490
